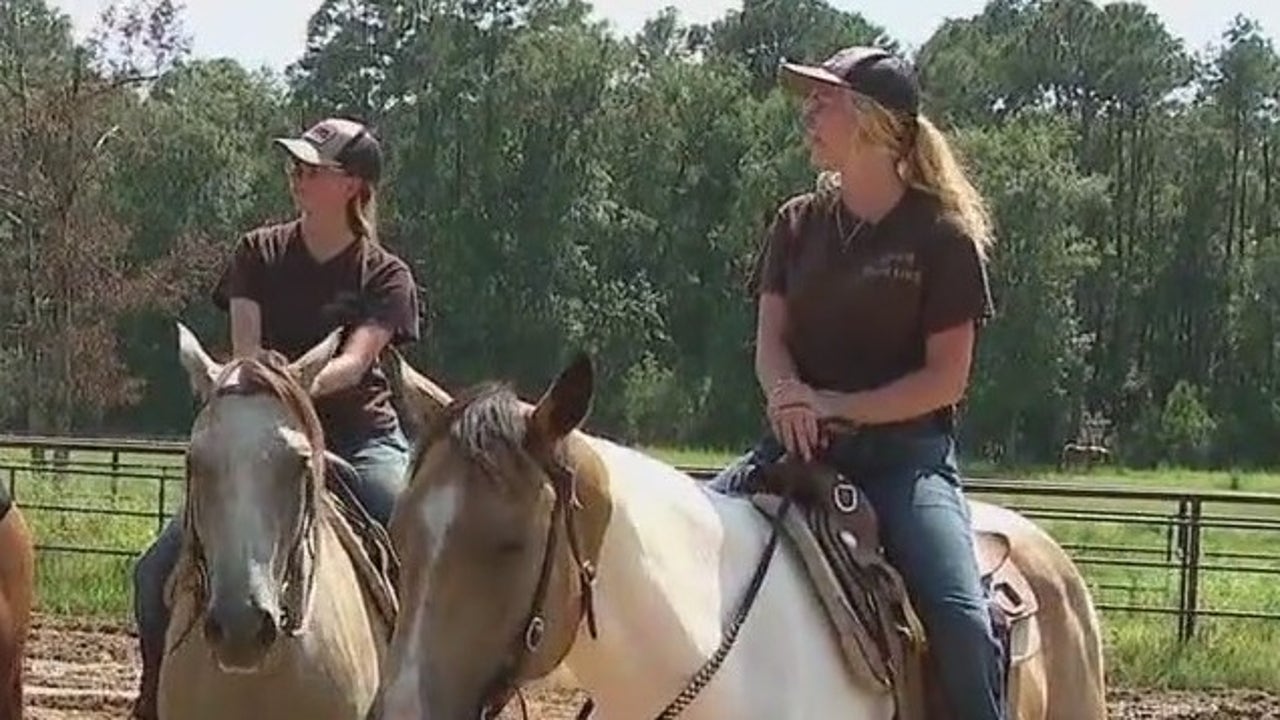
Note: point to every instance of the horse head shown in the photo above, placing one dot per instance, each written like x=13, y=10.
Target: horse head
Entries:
x=496, y=550
x=254, y=473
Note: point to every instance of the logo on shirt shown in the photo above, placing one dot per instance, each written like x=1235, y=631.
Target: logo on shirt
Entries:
x=898, y=267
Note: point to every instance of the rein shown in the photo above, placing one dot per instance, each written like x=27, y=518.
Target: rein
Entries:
x=299, y=575
x=505, y=683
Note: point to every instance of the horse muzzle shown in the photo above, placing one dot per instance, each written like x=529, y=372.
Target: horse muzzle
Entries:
x=241, y=633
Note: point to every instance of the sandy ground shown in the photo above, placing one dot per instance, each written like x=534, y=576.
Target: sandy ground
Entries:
x=78, y=671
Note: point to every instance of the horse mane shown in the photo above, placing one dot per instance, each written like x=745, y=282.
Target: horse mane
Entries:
x=485, y=422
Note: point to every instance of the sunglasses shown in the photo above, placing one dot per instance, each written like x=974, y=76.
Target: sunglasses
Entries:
x=297, y=169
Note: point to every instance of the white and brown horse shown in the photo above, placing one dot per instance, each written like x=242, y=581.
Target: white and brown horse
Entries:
x=525, y=542
x=270, y=618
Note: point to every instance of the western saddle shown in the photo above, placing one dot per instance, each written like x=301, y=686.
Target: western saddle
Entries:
x=837, y=535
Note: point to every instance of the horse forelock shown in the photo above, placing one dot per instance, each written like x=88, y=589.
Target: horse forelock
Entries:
x=268, y=374
x=486, y=423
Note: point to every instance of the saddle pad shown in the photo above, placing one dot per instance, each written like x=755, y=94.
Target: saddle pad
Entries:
x=877, y=630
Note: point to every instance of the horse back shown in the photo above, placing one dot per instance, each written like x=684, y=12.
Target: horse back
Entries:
x=1064, y=678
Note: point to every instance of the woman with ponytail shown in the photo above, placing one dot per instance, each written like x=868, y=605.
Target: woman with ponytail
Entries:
x=870, y=290
x=286, y=287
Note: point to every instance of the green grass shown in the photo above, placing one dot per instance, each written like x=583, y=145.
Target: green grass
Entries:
x=1142, y=649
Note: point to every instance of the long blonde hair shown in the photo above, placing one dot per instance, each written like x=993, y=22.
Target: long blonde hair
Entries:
x=928, y=164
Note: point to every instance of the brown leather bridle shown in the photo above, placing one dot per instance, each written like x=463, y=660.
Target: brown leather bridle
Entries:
x=506, y=682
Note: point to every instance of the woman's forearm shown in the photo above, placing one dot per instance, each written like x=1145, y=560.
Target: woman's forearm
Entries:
x=908, y=397
x=340, y=373
x=773, y=362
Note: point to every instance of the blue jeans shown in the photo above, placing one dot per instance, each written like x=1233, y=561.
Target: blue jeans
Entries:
x=380, y=460
x=911, y=479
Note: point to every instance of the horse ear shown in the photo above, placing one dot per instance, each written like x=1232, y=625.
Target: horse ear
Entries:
x=202, y=371
x=564, y=405
x=305, y=368
x=425, y=400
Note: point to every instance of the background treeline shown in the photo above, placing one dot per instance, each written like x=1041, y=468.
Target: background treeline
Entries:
x=556, y=186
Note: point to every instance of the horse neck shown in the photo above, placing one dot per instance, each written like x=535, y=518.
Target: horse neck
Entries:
x=673, y=558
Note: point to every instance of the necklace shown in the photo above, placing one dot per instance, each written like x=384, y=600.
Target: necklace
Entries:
x=847, y=237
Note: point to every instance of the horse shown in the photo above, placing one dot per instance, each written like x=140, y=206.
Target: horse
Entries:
x=17, y=593
x=1076, y=455
x=267, y=569
x=529, y=545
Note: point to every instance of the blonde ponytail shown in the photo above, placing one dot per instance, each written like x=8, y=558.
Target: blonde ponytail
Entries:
x=928, y=164
x=932, y=166
x=362, y=214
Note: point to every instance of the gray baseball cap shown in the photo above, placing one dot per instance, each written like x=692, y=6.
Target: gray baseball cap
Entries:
x=870, y=71
x=338, y=143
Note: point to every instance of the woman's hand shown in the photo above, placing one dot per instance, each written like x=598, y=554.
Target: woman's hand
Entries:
x=793, y=415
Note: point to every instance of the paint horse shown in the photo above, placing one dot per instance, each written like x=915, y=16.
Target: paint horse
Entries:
x=293, y=617
x=17, y=593
x=526, y=543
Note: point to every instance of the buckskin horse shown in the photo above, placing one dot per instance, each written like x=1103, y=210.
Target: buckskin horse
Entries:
x=272, y=571
x=17, y=591
x=526, y=543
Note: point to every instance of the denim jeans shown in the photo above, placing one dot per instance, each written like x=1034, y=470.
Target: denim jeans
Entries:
x=381, y=462
x=911, y=479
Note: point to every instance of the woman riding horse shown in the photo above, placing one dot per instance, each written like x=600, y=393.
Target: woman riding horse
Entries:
x=870, y=292
x=286, y=287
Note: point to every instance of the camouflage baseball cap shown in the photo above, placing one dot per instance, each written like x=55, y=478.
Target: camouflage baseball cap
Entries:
x=870, y=71
x=338, y=143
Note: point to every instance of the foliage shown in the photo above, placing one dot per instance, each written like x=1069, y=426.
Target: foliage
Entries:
x=555, y=186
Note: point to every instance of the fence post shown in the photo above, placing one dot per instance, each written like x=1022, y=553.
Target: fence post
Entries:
x=1184, y=559
x=1193, y=570
x=164, y=480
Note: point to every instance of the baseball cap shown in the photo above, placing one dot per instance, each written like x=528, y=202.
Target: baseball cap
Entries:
x=870, y=71
x=338, y=143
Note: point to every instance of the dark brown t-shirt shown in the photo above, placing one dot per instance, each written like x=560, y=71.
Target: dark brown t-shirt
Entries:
x=303, y=300
x=861, y=301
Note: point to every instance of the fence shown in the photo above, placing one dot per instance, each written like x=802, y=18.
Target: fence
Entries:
x=1131, y=542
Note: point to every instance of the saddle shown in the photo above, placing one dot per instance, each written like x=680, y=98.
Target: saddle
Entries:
x=364, y=538
x=837, y=535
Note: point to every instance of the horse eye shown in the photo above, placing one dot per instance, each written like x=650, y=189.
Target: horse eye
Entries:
x=510, y=546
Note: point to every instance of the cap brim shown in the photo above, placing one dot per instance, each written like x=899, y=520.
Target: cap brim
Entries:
x=802, y=78
x=302, y=151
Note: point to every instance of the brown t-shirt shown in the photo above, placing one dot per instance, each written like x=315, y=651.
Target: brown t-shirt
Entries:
x=303, y=300
x=861, y=301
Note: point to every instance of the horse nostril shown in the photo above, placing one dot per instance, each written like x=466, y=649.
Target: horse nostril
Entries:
x=212, y=628
x=267, y=628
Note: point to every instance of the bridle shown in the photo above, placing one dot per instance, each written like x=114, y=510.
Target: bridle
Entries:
x=506, y=682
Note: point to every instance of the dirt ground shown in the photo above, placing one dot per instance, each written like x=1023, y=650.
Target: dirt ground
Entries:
x=79, y=671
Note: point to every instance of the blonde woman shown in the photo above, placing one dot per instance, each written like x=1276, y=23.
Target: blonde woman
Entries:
x=871, y=289
x=286, y=287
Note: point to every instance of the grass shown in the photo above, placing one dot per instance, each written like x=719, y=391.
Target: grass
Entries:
x=1142, y=649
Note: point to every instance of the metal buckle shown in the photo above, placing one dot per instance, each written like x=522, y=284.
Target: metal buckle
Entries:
x=533, y=634
x=845, y=497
